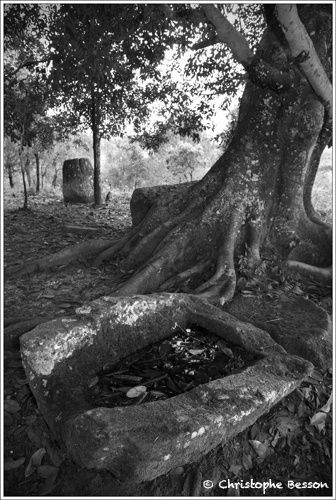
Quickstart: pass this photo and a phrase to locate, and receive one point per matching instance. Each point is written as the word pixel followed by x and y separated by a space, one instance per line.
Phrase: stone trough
pixel 141 442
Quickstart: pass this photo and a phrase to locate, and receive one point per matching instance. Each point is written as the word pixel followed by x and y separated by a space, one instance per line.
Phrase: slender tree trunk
pixel 27 171
pixel 10 175
pixel 43 174
pixel 25 203
pixel 23 169
pixel 96 151
pixel 37 160
pixel 54 180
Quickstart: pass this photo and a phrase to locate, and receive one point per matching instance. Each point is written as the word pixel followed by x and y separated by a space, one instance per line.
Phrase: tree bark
pixel 23 170
pixel 96 151
pixel 303 49
pixel 54 180
pixel 25 192
pixel 10 175
pixel 37 160
pixel 251 203
pixel 27 171
pixel 43 175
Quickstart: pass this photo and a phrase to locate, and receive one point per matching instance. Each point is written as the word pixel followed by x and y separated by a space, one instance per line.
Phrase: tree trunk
pixel 10 175
pixel 37 159
pixel 96 152
pixel 251 202
pixel 43 175
pixel 23 169
pixel 54 180
pixel 27 171
pixel 25 192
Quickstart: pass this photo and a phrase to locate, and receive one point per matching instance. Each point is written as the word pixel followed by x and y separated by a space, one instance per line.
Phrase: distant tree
pixel 25 89
pixel 126 164
pixel 11 159
pixel 43 137
pixel 184 160
pixel 61 150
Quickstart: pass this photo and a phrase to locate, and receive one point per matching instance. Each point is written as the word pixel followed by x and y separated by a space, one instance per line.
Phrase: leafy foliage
pixel 184 160
pixel 104 53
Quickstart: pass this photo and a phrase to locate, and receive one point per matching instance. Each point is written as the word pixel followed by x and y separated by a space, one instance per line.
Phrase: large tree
pixel 257 197
pixel 258 194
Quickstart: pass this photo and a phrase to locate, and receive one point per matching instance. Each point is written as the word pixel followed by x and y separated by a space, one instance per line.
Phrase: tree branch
pixel 301 44
pixel 31 62
pixel 206 43
pixel 260 72
pixel 228 34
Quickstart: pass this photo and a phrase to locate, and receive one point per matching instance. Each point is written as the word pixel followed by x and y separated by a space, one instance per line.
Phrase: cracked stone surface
pixel 142 442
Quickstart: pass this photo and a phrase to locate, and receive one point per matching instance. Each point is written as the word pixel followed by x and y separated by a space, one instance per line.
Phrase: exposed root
pixel 145 280
pixel 148 244
pixel 184 276
pixel 110 251
pixel 140 244
pixel 64 257
pixel 322 274
pixel 221 287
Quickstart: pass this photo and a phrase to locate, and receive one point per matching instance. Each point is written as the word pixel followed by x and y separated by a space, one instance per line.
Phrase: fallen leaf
pixel 260 448
pixel 35 461
pixel 46 471
pixel 94 381
pixel 11 463
pixel 157 394
pixel 227 351
pixel 275 439
pixel 236 469
pixel 11 406
pixel 247 462
pixel 65 305
pixel 326 407
pixel 287 425
pixel 318 420
pixel 316 375
pixel 254 430
pixel 34 437
pixel 136 391
pixel 48 296
pixel 195 352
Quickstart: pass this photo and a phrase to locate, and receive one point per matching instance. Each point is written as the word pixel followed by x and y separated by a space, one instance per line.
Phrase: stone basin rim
pixel 110 318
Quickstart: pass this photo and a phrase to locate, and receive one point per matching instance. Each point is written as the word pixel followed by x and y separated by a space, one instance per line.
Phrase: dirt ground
pixel 285 445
